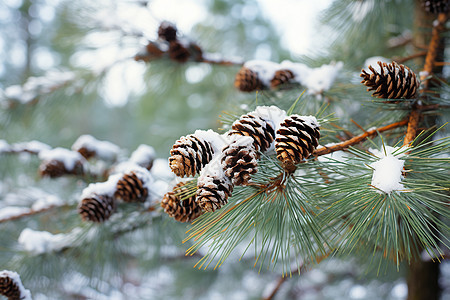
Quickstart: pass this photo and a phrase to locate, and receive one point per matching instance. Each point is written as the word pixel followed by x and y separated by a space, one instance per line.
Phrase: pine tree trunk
pixel 423 281
pixel 423 276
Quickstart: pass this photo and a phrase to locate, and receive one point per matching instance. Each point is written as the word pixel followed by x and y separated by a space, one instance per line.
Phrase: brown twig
pixel 358 139
pixel 283 278
pixel 412 56
pixel 430 62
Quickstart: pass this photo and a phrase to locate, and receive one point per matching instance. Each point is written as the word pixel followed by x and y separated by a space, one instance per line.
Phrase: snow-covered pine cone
pixel 60 161
pixel 281 77
pixel 167 31
pixel 178 52
pixel 96 208
pixel 9 288
pixel 178 207
pixel 132 187
pixel 189 155
pixel 247 80
pixel 239 160
pixel 297 138
pixel 213 190
pixel 252 125
pixel 436 6
pixel 391 81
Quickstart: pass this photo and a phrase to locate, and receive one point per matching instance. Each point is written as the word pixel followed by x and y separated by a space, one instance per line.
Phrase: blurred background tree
pixel 67 68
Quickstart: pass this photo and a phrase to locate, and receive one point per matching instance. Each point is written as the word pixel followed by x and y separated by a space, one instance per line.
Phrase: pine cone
pixel 296 139
pixel 178 52
pixel 189 155
pixel 56 168
pixel 9 288
pixel 96 208
pixel 436 6
pixel 213 191
pixel 131 188
pixel 281 77
pixel 247 80
pixel 239 160
pixel 252 125
pixel 185 210
pixel 167 31
pixel 393 81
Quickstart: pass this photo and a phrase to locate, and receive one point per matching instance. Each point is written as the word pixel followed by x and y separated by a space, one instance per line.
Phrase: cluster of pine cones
pixel 224 161
pixel 128 182
pixel 169 45
pixel 98 200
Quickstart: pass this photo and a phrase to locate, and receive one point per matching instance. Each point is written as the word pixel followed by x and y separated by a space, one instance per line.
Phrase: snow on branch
pixel 261 74
pixel 387 171
pixel 36 86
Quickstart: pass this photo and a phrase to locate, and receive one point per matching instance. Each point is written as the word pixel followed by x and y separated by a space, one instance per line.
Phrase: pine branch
pixel 412 56
pixel 358 139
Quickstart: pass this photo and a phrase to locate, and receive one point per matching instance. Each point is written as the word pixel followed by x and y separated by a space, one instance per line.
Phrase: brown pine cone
pixel 252 125
pixel 97 208
pixel 281 77
pixel 296 139
pixel 239 160
pixel 131 187
pixel 189 155
pixel 167 31
pixel 247 80
pixel 8 287
pixel 393 81
pixel 179 205
pixel 213 191
pixel 178 52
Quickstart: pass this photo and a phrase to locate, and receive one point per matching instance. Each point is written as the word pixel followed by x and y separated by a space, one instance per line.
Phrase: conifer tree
pixel 336 157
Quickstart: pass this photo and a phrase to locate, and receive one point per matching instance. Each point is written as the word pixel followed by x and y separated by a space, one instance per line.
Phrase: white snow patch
pixel 216 140
pixel 321 79
pixel 143 155
pixel 106 188
pixel 24 293
pixel 271 114
pixel 39 242
pixel 4 146
pixel 316 80
pixel 68 157
pixel 264 68
pixel 12 211
pixel 46 202
pixel 161 169
pixel 373 61
pixel 31 146
pixel 387 174
pixel 103 149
